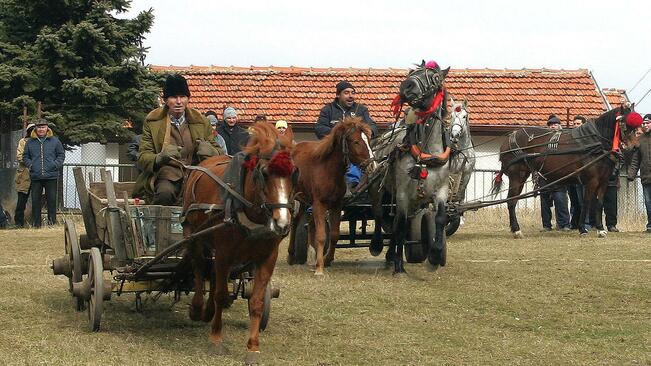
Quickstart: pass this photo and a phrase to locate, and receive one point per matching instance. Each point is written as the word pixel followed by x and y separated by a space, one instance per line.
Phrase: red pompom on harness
pixel 251 162
pixel 498 177
pixel 281 164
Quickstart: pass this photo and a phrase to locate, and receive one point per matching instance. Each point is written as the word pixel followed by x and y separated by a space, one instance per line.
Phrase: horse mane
pixel 263 139
pixel 605 124
pixel 326 146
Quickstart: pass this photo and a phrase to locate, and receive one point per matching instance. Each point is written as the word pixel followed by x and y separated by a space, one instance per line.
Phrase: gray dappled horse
pixel 416 167
pixel 462 160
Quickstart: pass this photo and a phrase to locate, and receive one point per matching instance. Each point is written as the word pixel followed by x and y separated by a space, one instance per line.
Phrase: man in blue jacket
pixel 44 156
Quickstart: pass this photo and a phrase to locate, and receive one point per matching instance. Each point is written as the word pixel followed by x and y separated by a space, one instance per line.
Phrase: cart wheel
pixel 453 225
pixel 416 252
pixel 96 285
pixel 300 241
pixel 266 310
pixel 74 256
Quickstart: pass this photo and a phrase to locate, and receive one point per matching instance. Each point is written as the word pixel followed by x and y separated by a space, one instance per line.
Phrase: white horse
pixel 462 161
pixel 417 169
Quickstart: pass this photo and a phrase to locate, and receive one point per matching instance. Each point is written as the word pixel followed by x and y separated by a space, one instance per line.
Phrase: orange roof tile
pixel 297 94
pixel 616 97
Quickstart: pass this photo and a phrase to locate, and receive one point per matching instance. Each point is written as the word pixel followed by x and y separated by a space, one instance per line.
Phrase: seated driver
pixel 173 135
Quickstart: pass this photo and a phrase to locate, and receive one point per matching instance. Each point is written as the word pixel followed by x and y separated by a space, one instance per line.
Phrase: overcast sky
pixel 610 38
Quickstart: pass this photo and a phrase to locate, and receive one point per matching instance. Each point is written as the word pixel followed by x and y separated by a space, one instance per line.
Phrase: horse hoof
pixel 252 358
pixel 584 234
pixel 290 259
pixel 518 235
pixel 194 313
pixel 432 267
pixel 319 273
pixel 218 349
pixel 375 248
pixel 399 274
pixel 602 233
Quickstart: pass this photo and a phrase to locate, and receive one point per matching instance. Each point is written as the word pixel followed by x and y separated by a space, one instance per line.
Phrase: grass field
pixel 552 298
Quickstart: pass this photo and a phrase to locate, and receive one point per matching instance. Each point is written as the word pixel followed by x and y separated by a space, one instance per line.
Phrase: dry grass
pixel 552 298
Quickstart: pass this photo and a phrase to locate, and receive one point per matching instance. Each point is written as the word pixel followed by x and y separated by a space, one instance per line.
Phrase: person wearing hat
pixel 212 118
pixel 234 135
pixel 554 122
pixel 281 126
pixel 641 160
pixel 342 106
pixel 556 197
pixel 173 135
pixel 44 156
pixel 22 180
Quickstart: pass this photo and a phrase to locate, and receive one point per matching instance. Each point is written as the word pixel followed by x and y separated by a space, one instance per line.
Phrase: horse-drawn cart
pixel 131 247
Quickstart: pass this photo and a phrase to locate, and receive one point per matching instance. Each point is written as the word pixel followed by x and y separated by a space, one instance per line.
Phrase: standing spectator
pixel 281 126
pixel 641 161
pixel 44 156
pixel 235 136
pixel 218 138
pixel 575 191
pixel 23 182
pixel 610 202
pixel 556 196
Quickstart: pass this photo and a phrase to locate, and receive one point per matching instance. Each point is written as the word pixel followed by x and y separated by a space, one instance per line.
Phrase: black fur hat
pixel 175 84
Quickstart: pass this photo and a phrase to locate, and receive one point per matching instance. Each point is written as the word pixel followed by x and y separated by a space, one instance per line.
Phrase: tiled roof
pixel 616 97
pixel 495 97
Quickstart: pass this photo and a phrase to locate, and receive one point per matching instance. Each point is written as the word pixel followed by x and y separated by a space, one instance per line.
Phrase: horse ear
pixel 422 64
pixel 465 102
pixel 451 100
pixel 444 73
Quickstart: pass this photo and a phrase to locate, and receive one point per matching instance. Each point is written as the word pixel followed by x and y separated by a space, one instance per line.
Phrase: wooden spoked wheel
pixel 73 251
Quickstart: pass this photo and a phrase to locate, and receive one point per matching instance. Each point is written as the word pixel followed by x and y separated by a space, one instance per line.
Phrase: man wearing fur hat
pixel 342 106
pixel 44 156
pixel 172 135
pixel 235 136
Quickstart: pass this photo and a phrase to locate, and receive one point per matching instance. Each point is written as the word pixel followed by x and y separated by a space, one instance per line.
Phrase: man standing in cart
pixel 173 135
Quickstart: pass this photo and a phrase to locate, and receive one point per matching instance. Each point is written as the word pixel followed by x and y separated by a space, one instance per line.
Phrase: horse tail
pixel 497 184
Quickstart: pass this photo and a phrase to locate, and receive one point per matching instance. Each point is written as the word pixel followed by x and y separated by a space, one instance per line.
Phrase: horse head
pixel 354 136
pixel 459 125
pixel 630 126
pixel 270 177
pixel 422 84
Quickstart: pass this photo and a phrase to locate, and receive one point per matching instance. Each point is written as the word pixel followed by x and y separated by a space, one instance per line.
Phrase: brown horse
pixel 322 166
pixel 584 155
pixel 263 175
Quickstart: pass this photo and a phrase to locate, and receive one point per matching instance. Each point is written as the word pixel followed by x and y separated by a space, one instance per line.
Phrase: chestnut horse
pixel 584 155
pixel 263 176
pixel 322 165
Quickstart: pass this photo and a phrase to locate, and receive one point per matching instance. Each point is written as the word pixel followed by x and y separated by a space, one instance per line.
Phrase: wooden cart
pixel 131 247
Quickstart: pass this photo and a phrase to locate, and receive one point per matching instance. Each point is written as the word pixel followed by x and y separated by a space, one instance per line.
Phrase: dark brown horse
pixel 263 176
pixel 322 165
pixel 583 155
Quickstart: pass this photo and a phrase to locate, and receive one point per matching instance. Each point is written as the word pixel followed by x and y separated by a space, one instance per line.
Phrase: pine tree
pixel 81 61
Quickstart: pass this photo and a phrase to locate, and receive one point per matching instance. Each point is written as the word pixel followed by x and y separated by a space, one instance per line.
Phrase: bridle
pixel 346 151
pixel 428 81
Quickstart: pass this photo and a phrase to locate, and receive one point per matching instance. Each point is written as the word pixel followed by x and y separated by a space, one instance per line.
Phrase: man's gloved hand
pixel 168 153
pixel 205 150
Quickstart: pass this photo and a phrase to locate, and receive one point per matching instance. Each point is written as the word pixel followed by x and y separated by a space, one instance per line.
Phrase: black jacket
pixel 332 113
pixel 235 137
pixel 642 160
pixel 44 157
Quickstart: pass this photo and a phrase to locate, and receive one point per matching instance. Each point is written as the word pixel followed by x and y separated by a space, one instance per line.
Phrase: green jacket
pixel 151 144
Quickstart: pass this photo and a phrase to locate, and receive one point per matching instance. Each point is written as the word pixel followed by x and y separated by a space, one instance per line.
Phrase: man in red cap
pixel 641 161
